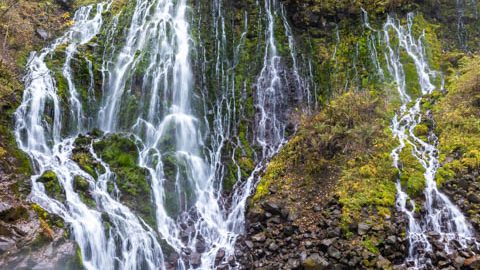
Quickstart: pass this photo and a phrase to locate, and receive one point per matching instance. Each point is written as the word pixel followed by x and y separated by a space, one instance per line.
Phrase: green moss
pixel 275 168
pixel 52 185
pixel 85 162
pixel 49 220
pixel 458 125
pixel 412 172
pixel 121 154
pixel 371 245
pixel 81 186
pixel 82 3
pixel 421 130
pixel 9 145
pixel 444 175
pixel 75 262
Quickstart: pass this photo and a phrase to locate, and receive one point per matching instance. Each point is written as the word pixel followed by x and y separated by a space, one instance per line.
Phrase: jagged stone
pixel 43 34
pixel 260 237
pixel 473 198
pixel 334 253
pixel 363 228
pixel 472 262
pixel 315 262
pixel 195 259
pixel 458 262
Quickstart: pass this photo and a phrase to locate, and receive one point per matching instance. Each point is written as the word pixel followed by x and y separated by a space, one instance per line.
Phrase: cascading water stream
pixel 41 138
pixel 442 216
pixel 271 95
pixel 168 126
pixel 465 8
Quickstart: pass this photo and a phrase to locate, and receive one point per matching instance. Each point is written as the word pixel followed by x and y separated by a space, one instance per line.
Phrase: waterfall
pixel 149 92
pixel 442 216
pixel 466 9
pixel 41 138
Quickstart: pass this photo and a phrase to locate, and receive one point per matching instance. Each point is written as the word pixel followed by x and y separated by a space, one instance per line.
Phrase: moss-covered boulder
pixel 82 186
pixel 52 186
pixel 83 157
pixel 121 154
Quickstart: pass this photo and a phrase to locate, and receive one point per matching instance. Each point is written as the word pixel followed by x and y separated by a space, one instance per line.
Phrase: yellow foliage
pixel 46 230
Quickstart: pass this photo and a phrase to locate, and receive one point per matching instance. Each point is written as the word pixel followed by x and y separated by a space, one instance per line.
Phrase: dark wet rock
pixel 391 240
pixel 220 255
pixel 326 243
pixel 249 244
pixel 473 198
pixel 383 263
pixel 195 259
pixel 11 213
pixel 334 253
pixel 272 207
pixel 443 264
pixel 273 246
pixel 6 244
pixel 200 246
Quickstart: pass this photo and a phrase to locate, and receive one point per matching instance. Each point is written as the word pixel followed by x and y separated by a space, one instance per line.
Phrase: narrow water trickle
pixel 441 217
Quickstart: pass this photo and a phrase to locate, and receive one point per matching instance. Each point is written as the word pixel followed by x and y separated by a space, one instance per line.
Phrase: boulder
pixel 315 262
pixel 195 259
pixel 43 34
pixel 363 228
pixel 259 237
pixel 334 253
pixel 458 262
pixel 383 263
pixel 472 262
pixel 473 198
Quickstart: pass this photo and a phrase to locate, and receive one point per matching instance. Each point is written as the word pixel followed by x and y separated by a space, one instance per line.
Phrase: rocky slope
pixel 340 213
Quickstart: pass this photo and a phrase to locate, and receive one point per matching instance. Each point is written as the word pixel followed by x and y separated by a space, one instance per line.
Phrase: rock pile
pixel 274 241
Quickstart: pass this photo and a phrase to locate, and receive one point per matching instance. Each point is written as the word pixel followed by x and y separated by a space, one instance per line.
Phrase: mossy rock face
pixel 52 186
pixel 51 220
pixel 421 130
pixel 81 186
pixel 74 262
pixel 121 154
pixel 83 157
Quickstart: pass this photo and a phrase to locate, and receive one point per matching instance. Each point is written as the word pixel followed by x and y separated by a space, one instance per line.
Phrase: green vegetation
pixel 47 221
pixel 458 125
pixel 121 155
pixel 349 140
pixel 412 172
pixel 52 186
pixel 81 186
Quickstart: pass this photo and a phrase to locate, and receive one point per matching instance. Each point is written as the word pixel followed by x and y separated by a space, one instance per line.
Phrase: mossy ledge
pixel 121 155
